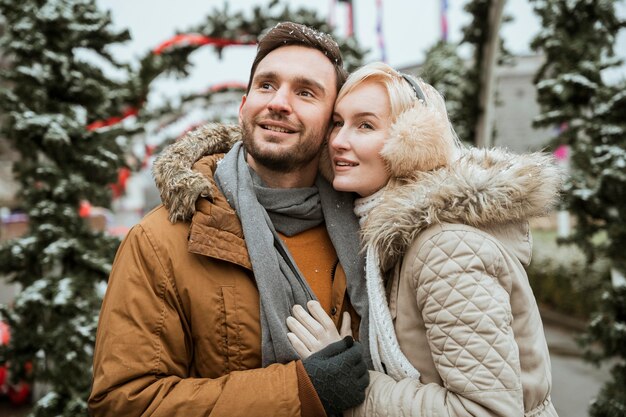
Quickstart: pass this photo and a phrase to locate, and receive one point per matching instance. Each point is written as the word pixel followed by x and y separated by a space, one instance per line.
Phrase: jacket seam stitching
pixel 479 391
pixel 167 275
pixel 162 288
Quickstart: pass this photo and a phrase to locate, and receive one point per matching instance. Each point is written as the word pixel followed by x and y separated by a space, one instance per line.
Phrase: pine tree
pixel 577 40
pixel 445 70
pixel 608 329
pixel 53 88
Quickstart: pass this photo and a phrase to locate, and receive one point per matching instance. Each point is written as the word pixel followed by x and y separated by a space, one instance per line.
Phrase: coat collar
pixel 215 229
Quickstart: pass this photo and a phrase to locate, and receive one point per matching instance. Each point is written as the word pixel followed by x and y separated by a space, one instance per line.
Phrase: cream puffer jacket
pixel 452 244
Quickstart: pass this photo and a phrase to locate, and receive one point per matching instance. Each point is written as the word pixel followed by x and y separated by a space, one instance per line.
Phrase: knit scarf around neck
pixel 280 283
pixel 291 210
pixel 384 347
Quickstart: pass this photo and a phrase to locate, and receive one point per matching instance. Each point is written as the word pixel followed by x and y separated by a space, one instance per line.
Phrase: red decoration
pixel 3 378
pixel 19 393
pixel 112 120
pixel 197 40
pixel 5 337
pixel 84 209
pixel 119 187
pixel 5 334
pixel 562 153
pixel 149 151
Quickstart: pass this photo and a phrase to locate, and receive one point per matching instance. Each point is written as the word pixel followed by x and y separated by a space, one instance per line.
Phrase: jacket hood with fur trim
pixel 483 188
pixel 180 186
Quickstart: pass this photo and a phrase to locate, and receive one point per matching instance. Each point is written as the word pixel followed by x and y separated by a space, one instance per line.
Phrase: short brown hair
pixel 288 34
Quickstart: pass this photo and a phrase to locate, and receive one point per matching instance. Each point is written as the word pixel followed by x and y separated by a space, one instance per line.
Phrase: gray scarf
pixel 291 210
pixel 280 283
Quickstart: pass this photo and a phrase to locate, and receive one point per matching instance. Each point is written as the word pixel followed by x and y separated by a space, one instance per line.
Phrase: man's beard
pixel 288 160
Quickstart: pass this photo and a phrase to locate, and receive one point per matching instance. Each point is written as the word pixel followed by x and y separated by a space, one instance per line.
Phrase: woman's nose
pixel 339 139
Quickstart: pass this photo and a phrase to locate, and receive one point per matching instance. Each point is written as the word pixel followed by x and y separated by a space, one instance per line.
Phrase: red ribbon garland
pixel 120 186
pixel 183 39
pixel 199 40
pixel 84 209
pixel 124 173
pixel 112 120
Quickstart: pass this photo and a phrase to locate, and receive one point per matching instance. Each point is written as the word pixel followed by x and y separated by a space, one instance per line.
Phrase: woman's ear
pixel 419 140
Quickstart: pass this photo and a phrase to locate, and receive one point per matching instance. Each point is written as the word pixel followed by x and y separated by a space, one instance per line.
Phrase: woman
pixel 454 326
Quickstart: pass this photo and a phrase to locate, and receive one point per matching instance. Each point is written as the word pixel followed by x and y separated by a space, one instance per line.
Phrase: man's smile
pixel 276 129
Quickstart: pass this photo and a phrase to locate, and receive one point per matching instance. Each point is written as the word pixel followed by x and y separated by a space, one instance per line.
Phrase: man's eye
pixel 306 93
pixel 265 86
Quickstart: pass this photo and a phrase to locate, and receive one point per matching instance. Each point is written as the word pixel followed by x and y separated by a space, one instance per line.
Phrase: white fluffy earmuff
pixel 419 140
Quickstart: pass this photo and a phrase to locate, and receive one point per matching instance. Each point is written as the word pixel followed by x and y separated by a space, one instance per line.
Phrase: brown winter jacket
pixel 179 331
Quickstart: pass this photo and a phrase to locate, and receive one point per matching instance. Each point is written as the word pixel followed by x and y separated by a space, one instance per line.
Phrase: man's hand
pixel 339 375
pixel 311 333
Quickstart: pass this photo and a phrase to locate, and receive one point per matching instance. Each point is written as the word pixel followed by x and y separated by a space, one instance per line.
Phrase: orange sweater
pixel 316 258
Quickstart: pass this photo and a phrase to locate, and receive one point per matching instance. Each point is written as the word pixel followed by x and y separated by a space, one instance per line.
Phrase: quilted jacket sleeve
pixel 142 353
pixel 462 292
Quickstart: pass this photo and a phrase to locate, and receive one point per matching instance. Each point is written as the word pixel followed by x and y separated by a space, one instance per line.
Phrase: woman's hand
pixel 313 332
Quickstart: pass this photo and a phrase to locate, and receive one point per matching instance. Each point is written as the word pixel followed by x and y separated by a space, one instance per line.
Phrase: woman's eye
pixel 366 125
pixel 337 123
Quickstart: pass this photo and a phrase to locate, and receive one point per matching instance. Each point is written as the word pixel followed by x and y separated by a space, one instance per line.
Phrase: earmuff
pixel 418 140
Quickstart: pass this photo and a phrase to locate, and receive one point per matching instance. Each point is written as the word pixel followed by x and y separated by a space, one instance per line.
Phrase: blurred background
pixel 91 91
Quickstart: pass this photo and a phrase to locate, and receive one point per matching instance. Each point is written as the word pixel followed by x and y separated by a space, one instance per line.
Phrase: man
pixel 193 322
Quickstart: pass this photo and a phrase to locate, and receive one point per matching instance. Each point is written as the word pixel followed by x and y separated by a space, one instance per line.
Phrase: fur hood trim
pixel 481 188
pixel 180 186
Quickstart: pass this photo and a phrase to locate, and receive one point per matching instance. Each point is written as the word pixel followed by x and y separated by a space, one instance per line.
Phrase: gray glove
pixel 339 375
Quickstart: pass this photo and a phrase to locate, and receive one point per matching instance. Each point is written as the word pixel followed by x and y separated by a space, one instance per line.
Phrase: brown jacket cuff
pixel 310 404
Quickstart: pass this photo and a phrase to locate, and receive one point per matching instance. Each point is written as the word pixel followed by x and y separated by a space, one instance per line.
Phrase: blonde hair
pixel 422 137
pixel 400 97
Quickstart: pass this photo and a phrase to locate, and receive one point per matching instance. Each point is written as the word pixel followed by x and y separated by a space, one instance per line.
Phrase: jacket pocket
pixel 230 329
